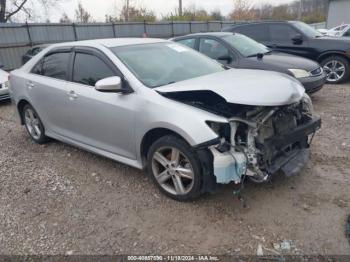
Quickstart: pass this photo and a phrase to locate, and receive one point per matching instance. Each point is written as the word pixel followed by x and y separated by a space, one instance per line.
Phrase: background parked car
pixel 335 31
pixel 4 92
pixel 323 31
pixel 298 38
pixel 239 51
pixel 345 32
pixel 32 52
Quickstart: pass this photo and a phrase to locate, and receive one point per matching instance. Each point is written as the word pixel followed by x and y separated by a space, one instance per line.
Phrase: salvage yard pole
pixel 29 36
pixel 180 7
pixel 300 13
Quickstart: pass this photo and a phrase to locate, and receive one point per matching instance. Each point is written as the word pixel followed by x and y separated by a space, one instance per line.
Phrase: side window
pixel 340 28
pixel 37 69
pixel 212 48
pixel 257 32
pixel 281 32
pixel 88 69
pixel 188 42
pixel 54 65
pixel 347 33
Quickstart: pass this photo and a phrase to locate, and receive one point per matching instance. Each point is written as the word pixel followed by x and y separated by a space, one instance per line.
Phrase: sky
pixel 99 8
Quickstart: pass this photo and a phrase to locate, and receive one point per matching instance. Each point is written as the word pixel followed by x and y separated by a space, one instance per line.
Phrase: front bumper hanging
pixel 227 168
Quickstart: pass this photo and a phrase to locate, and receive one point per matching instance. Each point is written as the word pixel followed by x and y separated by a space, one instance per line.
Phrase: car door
pixel 104 121
pixel 217 50
pixel 283 38
pixel 46 88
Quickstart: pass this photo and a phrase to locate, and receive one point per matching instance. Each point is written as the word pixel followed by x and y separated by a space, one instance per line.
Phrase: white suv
pixel 4 92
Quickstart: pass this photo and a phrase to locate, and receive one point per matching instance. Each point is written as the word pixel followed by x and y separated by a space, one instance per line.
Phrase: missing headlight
pixel 221 129
pixel 307 106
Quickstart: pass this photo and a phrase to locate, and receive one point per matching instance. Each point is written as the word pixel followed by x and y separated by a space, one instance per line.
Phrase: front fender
pixel 187 121
pixel 330 53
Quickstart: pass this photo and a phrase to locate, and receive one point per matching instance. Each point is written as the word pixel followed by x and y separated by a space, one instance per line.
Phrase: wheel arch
pixel 325 55
pixel 151 136
pixel 20 106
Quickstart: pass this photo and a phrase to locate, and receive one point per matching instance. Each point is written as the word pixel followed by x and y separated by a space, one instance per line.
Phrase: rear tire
pixel 337 69
pixel 33 124
pixel 175 168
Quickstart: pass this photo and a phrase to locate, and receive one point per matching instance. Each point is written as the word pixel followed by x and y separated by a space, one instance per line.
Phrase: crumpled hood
pixel 3 76
pixel 244 86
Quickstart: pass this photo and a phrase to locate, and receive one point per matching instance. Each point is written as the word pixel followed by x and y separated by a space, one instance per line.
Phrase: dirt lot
pixel 56 199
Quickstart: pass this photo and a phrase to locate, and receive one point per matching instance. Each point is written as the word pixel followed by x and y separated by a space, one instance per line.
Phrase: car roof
pixel 211 34
pixel 112 42
pixel 215 34
pixel 261 22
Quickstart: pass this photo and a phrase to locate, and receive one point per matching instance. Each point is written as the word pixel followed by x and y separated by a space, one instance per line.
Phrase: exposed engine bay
pixel 257 141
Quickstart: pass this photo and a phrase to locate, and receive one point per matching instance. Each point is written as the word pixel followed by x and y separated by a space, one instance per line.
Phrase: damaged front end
pixel 264 140
pixel 257 141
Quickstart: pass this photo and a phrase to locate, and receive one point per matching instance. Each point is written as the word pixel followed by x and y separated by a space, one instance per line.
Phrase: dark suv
pixel 298 38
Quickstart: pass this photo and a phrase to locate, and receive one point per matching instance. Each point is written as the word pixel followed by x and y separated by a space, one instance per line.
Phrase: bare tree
pixel 130 12
pixel 82 15
pixel 242 10
pixel 312 11
pixel 10 8
pixel 216 15
pixel 265 11
pixel 65 19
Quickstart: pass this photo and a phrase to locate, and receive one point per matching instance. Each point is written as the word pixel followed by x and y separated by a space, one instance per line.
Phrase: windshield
pixel 307 30
pixel 245 45
pixel 165 63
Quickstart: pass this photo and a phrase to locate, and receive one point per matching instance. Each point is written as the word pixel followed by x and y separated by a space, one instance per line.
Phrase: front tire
pixel 34 125
pixel 175 168
pixel 337 69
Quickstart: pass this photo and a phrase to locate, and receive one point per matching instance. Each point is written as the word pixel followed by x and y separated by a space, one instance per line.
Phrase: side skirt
pixel 123 160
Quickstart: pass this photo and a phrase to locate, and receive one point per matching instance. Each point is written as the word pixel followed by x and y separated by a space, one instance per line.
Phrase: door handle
pixel 30 85
pixel 72 95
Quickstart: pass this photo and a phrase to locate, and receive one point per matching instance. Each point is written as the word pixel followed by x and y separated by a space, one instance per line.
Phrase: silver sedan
pixel 4 92
pixel 158 105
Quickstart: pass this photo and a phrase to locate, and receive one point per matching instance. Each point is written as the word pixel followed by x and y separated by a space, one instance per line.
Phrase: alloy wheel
pixel 173 170
pixel 335 70
pixel 32 123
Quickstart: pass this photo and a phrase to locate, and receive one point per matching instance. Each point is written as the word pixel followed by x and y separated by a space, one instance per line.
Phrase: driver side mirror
pixel 112 84
pixel 298 39
pixel 226 58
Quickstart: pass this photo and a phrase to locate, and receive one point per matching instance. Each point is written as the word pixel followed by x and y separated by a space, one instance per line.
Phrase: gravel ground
pixel 56 199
